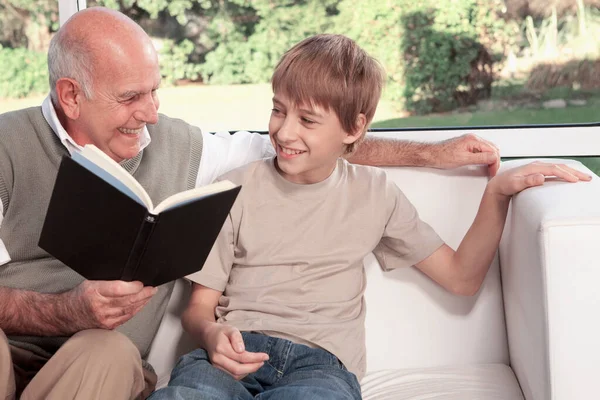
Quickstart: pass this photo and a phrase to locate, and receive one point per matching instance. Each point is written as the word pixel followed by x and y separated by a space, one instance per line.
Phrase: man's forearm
pixel 379 151
pixel 38 314
pixel 450 153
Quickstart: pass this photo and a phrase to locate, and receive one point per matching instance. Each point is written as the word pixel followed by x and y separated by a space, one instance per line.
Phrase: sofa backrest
pixel 411 321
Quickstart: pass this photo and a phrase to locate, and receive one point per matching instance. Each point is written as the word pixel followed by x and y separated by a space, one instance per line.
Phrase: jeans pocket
pixel 341 364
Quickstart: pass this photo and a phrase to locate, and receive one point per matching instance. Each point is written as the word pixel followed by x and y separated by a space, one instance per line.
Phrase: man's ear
pixel 361 123
pixel 69 96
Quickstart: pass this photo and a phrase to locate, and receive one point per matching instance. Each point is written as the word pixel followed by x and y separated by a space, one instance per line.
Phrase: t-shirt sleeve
pixel 215 272
pixel 407 240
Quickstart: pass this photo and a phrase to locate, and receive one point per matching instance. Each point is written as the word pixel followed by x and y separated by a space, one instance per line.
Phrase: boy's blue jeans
pixel 293 372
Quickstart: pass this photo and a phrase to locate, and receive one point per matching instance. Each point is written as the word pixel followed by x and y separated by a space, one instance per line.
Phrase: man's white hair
pixel 68 58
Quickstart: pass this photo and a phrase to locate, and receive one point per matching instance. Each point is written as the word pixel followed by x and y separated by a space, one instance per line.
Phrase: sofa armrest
pixel 550 263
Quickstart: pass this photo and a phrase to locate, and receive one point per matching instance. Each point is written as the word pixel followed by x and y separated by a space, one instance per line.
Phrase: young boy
pixel 287 269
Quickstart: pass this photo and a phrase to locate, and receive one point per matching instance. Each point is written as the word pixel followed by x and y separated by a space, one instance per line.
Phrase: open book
pixel 103 224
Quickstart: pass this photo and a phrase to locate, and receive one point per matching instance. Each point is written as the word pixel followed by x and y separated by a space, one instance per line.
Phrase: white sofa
pixel 533 330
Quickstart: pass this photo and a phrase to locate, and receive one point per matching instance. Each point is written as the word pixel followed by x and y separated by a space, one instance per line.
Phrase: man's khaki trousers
pixel 92 364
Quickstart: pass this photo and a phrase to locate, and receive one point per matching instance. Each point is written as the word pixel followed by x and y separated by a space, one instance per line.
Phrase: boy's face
pixel 308 140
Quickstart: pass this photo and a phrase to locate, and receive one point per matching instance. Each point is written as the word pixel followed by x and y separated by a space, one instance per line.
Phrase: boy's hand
pixel 514 180
pixel 225 347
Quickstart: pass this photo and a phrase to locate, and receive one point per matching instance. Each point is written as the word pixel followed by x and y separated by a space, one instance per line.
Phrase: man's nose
pixel 148 111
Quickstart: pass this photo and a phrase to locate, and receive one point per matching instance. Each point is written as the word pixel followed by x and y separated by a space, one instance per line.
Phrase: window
pixel 520 73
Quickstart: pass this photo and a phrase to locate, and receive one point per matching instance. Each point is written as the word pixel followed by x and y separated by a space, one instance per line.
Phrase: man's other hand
pixel 467 149
pixel 106 304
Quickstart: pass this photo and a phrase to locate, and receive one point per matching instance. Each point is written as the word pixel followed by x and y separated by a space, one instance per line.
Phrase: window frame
pixel 570 140
pixel 66 8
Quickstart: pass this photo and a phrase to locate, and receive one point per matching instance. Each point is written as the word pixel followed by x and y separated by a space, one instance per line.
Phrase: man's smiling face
pixel 123 101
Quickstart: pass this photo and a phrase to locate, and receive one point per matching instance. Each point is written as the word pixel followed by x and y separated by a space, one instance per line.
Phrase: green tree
pixel 23 72
pixel 29 24
pixel 249 52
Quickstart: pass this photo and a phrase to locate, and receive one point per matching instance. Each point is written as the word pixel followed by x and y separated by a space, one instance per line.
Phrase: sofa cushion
pixel 411 321
pixel 484 381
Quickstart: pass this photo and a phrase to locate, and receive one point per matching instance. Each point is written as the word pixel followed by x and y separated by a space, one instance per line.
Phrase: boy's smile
pixel 288 153
pixel 308 140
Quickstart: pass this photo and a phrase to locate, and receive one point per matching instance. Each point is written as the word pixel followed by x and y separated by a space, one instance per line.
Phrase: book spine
pixel 139 247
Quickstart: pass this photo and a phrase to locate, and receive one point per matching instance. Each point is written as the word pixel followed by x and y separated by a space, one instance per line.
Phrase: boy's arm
pixel 462 272
pixel 223 343
pixel 452 153
pixel 200 311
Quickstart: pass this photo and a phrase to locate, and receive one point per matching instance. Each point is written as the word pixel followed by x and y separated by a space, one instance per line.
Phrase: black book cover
pixel 103 234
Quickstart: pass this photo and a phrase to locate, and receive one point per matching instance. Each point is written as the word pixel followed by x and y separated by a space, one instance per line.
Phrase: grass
pixel 213 108
pixel 573 114
pixel 236 107
pixel 593 163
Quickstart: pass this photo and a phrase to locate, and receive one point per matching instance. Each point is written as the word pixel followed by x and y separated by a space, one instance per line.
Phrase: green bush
pixel 438 47
pixel 438 54
pixel 174 62
pixel 431 50
pixel 376 27
pixel 24 73
pixel 248 52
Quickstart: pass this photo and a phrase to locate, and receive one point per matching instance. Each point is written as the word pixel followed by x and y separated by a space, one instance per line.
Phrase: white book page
pixel 106 168
pixel 182 198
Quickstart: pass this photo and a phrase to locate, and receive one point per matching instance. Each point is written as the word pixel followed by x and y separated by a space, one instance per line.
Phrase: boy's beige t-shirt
pixel 289 258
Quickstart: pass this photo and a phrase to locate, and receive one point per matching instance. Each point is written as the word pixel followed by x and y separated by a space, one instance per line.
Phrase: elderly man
pixel 62 337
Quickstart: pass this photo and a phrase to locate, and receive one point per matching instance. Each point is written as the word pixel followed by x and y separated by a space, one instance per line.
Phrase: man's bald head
pixel 90 43
pixel 104 74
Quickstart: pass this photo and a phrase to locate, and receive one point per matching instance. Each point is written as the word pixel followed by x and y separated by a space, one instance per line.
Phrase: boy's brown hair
pixel 333 72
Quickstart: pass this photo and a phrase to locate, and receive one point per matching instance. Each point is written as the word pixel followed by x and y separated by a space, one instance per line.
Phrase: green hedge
pixel 432 51
pixel 24 72
pixel 438 48
pixel 174 62
pixel 438 54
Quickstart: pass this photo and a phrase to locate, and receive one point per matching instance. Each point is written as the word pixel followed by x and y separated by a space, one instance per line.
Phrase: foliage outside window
pixel 449 62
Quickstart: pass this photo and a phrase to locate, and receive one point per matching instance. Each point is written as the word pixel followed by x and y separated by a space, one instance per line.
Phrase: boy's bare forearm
pixel 379 151
pixel 199 315
pixel 478 248
pixel 38 314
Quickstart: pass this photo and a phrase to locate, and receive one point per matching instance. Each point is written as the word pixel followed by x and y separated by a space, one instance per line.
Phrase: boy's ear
pixel 69 96
pixel 361 123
